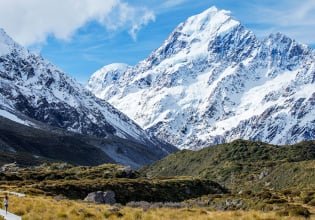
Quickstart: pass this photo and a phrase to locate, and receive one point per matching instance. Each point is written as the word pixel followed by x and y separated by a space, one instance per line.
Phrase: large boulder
pixel 107 197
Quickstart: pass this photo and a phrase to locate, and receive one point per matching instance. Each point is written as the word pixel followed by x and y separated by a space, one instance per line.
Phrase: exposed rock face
pixel 107 197
pixel 35 93
pixel 212 81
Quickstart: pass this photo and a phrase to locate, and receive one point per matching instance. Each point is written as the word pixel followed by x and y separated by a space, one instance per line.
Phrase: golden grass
pixel 48 208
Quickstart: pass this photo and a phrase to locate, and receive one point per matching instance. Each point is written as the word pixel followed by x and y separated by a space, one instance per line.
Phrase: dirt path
pixel 9 215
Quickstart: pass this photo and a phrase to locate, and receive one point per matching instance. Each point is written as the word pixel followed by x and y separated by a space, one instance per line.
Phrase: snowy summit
pixel 213 81
pixel 35 93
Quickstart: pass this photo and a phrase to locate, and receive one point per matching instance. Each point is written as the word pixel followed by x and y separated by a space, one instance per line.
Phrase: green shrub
pixel 112 214
pixel 264 195
pixel 312 202
pixel 294 193
pixel 88 214
pixel 295 211
pixel 300 211
pixel 283 213
pixel 287 192
pixel 275 201
pixel 62 215
pixel 307 199
pixel 247 192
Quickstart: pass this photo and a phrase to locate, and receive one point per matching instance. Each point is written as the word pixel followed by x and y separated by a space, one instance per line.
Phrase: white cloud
pixel 135 17
pixel 32 21
pixel 140 22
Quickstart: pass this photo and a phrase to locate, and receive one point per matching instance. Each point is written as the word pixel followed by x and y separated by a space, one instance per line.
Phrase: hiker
pixel 6 203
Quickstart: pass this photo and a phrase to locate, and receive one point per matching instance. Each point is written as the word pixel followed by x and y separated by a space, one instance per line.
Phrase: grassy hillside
pixel 244 164
pixel 55 191
pixel 76 182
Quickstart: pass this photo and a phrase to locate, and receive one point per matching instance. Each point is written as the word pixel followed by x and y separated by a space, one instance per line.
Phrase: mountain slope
pixel 244 164
pixel 32 89
pixel 29 146
pixel 212 81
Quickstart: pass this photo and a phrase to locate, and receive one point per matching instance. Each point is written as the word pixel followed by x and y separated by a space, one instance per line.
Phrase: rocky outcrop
pixel 107 197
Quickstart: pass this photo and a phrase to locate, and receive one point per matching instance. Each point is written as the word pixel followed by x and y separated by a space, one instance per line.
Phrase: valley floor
pixel 49 208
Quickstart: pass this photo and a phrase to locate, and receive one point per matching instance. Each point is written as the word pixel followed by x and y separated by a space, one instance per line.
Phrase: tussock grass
pixel 48 208
pixel 42 208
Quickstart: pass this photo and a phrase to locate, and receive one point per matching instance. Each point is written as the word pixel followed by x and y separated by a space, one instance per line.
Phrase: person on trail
pixel 6 203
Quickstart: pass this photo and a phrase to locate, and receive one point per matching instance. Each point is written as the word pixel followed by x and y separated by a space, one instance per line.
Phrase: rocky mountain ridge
pixel 35 93
pixel 213 81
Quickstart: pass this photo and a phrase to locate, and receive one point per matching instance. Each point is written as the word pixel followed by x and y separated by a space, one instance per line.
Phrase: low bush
pixel 307 199
pixel 312 202
pixel 295 211
pixel 291 193
pixel 264 195
pixel 126 190
pixel 275 201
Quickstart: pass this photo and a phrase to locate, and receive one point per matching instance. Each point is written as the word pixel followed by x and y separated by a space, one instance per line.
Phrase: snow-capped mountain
pixel 33 90
pixel 213 81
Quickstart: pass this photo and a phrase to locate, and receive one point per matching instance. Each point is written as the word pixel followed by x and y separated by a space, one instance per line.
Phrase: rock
pixel 188 191
pixel 60 197
pixel 236 203
pixel 126 169
pixel 113 209
pixel 263 174
pixel 62 166
pixel 107 197
pixel 9 167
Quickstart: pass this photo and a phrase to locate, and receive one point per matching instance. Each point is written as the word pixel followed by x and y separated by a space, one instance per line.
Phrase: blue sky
pixel 81 36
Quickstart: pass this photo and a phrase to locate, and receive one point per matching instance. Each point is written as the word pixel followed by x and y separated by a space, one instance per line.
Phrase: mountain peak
pixel 3 34
pixel 213 81
pixel 197 35
pixel 211 21
pixel 7 44
pixel 282 39
pixel 107 75
pixel 110 71
pixel 33 90
pixel 114 66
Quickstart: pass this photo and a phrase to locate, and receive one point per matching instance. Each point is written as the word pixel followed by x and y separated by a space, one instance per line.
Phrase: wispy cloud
pixel 294 18
pixel 162 6
pixel 287 14
pixel 31 22
pixel 172 3
pixel 133 18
